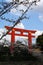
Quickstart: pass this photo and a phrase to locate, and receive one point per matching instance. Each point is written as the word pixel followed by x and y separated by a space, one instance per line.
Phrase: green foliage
pixel 39 41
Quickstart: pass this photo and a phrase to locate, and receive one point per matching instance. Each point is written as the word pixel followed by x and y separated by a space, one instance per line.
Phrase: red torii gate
pixel 13 34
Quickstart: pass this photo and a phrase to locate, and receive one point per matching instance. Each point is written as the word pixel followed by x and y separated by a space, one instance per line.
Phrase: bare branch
pixel 7 8
pixel 24 18
pixel 18 19
pixel 3 18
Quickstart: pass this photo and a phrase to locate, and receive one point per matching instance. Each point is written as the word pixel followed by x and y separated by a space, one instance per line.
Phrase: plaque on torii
pixel 22 31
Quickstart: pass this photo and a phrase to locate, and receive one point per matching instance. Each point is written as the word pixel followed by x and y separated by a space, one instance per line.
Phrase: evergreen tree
pixel 39 41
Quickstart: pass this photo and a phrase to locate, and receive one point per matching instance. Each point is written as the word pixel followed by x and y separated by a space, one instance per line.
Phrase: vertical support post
pixel 29 40
pixel 13 36
pixel 12 41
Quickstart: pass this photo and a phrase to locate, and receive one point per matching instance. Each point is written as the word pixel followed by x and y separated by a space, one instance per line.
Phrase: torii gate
pixel 22 31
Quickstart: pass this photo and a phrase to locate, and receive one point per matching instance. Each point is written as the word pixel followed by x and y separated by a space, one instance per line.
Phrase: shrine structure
pixel 22 31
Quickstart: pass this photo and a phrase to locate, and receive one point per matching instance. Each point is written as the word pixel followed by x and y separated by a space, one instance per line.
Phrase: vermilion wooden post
pixel 13 36
pixel 12 41
pixel 29 40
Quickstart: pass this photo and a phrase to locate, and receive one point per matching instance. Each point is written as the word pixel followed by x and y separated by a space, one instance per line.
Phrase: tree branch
pixel 16 22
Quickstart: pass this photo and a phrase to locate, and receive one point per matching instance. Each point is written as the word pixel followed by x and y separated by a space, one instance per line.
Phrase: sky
pixel 35 21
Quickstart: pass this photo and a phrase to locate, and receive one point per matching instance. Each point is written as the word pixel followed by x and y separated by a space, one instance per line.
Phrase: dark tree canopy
pixel 39 41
